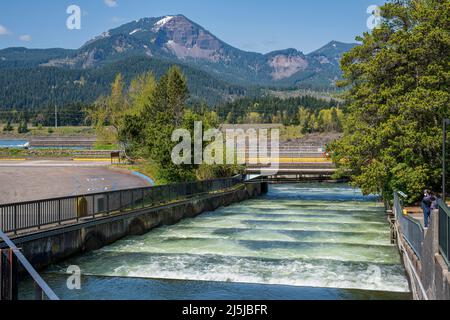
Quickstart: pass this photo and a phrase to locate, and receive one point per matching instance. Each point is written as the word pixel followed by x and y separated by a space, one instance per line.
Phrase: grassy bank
pixel 36 153
pixel 145 168
pixel 105 147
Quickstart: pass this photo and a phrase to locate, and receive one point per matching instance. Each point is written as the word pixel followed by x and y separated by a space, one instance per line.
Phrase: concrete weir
pixel 54 245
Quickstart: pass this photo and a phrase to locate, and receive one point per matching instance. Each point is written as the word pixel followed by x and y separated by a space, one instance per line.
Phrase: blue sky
pixel 252 25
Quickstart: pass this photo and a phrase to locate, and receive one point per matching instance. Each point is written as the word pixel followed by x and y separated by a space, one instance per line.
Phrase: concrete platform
pixel 40 180
pixel 416 213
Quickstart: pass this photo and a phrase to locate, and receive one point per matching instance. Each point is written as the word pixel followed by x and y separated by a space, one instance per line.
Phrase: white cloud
pixel 4 31
pixel 25 37
pixel 111 3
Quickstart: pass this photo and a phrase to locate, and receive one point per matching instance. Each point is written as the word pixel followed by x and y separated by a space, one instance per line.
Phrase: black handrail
pixel 412 230
pixel 36 214
pixel 41 284
pixel 238 177
pixel 444 231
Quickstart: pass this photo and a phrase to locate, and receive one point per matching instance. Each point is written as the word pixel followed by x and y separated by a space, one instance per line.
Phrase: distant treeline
pixel 69 115
pixel 311 113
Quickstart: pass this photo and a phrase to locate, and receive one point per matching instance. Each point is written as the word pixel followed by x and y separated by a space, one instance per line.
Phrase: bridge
pixel 298 163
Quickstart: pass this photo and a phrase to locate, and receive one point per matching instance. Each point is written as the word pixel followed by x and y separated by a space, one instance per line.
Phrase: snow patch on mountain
pixel 162 22
pixel 135 31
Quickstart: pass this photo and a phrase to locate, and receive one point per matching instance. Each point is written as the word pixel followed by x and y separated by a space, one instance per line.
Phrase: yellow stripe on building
pixel 92 159
pixel 291 160
pixel 13 159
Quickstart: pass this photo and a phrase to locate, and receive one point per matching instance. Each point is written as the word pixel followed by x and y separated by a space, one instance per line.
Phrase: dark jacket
pixel 428 201
pixel 434 204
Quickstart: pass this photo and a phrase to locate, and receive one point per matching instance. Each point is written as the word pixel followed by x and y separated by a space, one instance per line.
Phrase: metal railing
pixel 56 211
pixel 444 231
pixel 412 229
pixel 9 282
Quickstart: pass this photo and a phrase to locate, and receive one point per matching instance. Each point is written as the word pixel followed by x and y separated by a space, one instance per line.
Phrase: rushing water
pixel 307 241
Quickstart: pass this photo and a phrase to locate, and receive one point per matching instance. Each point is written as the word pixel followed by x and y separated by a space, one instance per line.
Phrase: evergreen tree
pixel 177 93
pixel 399 80
pixel 23 127
pixel 335 120
pixel 8 127
pixel 156 110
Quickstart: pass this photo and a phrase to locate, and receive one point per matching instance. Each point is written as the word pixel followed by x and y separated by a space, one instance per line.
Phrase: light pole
pixel 444 156
pixel 56 116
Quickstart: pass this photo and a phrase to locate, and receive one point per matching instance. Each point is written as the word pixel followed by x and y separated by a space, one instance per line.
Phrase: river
pixel 304 241
pixel 22 144
pixel 16 144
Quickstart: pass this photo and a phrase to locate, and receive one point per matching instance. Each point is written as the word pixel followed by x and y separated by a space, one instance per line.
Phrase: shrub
pixel 23 127
pixel 8 127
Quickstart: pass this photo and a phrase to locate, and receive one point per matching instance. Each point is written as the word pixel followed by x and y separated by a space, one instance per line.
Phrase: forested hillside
pixel 217 72
pixel 37 87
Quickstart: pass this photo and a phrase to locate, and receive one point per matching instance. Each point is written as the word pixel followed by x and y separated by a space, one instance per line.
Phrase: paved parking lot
pixel 32 181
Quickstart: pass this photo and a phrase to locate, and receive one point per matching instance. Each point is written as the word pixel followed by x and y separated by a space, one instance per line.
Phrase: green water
pixel 307 241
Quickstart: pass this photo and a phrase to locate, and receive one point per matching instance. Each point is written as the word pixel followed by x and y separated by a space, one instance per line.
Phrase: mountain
pixel 175 39
pixel 323 67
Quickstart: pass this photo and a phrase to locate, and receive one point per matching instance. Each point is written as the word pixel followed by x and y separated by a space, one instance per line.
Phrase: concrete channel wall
pixel 48 247
pixel 429 277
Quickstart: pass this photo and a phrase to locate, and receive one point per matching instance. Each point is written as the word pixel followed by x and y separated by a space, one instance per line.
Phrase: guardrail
pixel 9 282
pixel 412 229
pixel 444 231
pixel 30 215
